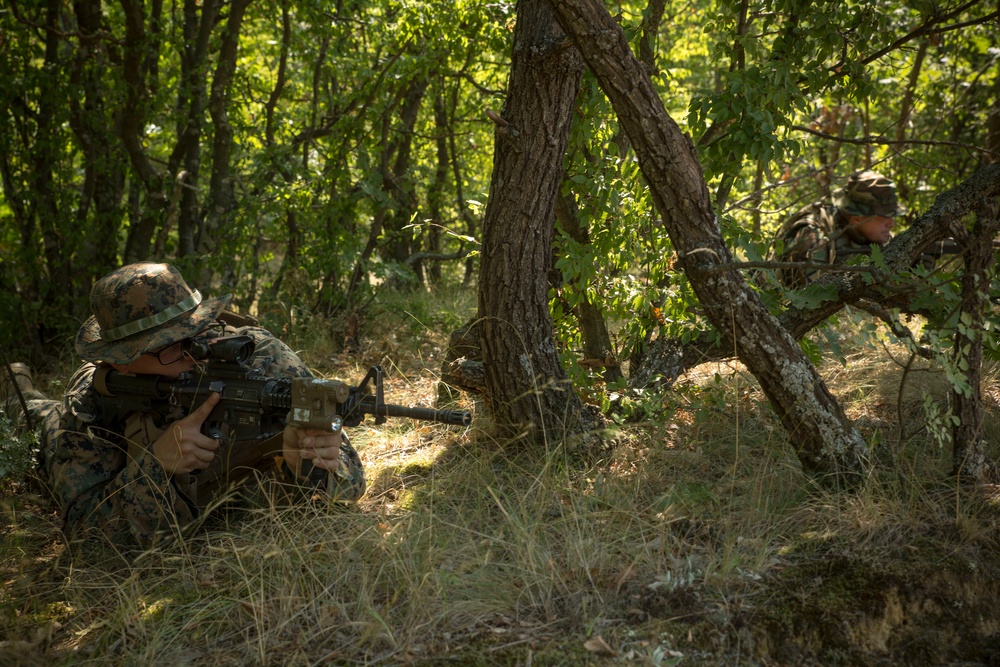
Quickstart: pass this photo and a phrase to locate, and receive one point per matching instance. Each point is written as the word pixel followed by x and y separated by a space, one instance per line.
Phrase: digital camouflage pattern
pixel 141 307
pixel 869 193
pixel 814 235
pixel 103 482
pixel 820 233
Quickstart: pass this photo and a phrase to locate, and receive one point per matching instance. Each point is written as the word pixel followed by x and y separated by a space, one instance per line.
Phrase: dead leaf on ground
pixel 599 646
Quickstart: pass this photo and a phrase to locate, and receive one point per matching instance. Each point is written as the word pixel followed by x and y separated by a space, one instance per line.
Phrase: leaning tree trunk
pixel 523 376
pixel 825 440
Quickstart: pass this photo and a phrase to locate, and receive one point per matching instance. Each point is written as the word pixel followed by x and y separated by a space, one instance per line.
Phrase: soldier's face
pixel 875 228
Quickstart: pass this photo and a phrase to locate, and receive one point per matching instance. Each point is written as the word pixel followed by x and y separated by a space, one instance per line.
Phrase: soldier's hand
pixel 183 447
pixel 320 447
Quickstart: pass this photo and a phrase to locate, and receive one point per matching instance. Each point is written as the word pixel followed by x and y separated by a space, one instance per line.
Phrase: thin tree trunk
pixel 398 182
pixel 104 179
pixel 222 194
pixel 968 442
pixel 597 345
pixel 435 193
pixel 191 106
pixel 906 108
pixel 137 48
pixel 463 206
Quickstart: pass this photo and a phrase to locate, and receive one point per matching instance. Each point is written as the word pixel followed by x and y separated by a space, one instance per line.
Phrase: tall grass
pixel 676 547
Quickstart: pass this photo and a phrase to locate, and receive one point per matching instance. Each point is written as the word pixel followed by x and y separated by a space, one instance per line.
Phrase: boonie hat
pixel 142 307
pixel 869 193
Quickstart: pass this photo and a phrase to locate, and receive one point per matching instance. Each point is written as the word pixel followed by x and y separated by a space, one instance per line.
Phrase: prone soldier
pixel 125 475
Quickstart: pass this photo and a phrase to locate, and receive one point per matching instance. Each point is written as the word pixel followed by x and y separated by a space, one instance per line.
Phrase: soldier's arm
pixel 809 243
pixel 103 484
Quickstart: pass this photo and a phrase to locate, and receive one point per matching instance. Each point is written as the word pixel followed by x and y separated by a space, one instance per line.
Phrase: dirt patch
pixel 846 611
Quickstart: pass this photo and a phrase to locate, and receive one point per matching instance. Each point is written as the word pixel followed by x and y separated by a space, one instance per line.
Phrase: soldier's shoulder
pixel 81 398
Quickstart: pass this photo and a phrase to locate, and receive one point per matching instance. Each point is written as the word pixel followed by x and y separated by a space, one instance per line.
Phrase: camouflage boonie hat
pixel 869 193
pixel 142 307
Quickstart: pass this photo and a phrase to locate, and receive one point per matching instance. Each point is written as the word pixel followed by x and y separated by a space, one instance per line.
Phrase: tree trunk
pixel 435 192
pixel 191 100
pixel 460 203
pixel 138 46
pixel 93 122
pixel 825 440
pixel 524 378
pixel 222 194
pixel 968 442
pixel 398 181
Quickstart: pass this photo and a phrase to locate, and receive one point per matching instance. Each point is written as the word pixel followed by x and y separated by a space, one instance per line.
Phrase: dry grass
pixel 696 541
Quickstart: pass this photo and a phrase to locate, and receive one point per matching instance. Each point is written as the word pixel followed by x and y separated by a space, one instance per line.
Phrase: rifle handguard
pixel 317 403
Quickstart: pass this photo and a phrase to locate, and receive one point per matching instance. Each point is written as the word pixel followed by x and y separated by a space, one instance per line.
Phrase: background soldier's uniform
pixel 821 233
pixel 104 476
pixel 813 234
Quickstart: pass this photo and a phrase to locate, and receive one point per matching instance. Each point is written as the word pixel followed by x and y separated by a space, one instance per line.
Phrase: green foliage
pixel 17 454
pixel 806 93
pixel 326 163
pixel 356 138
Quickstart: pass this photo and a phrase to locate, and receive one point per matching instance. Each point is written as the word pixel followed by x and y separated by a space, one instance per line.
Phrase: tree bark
pixel 93 121
pixel 199 22
pixel 137 47
pixel 824 438
pixel 524 379
pixel 222 193
pixel 398 181
pixel 968 442
pixel 435 192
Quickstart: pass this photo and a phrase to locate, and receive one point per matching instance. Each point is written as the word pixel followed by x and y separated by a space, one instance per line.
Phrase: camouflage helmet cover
pixel 142 307
pixel 869 193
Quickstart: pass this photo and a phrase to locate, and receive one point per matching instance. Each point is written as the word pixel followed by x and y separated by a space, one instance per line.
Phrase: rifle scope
pixel 226 349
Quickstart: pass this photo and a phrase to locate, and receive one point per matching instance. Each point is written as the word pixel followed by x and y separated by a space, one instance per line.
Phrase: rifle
pixel 254 409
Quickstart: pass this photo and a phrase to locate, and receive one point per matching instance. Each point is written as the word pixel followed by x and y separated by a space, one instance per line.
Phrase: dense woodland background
pixel 580 197
pixel 309 158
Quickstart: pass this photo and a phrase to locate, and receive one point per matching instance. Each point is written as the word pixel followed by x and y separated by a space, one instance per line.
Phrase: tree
pixel 262 146
pixel 825 440
pixel 524 378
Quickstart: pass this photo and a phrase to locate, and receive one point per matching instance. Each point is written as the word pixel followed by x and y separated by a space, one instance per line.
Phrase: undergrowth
pixel 696 541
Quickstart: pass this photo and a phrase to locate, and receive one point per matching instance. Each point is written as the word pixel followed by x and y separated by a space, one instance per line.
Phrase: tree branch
pixel 869 141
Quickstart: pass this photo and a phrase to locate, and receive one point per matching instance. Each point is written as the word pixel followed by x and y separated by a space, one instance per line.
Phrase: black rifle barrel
pixel 453 417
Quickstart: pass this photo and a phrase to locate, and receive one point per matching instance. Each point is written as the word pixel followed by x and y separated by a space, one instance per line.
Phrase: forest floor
pixel 694 540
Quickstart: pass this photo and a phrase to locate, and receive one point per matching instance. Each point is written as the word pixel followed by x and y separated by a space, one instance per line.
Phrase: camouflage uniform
pixel 820 232
pixel 815 234
pixel 101 469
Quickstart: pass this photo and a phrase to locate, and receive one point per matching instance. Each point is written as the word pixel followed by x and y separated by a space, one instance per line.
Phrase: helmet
pixel 869 193
pixel 142 307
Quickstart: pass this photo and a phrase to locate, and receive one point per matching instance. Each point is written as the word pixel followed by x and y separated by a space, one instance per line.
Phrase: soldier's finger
pixel 325 452
pixel 204 442
pixel 201 413
pixel 204 454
